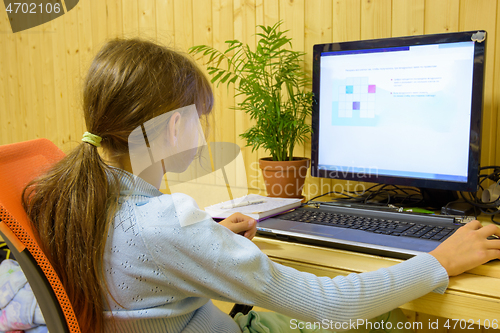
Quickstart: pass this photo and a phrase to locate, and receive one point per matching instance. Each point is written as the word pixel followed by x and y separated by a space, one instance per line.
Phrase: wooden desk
pixel 474 295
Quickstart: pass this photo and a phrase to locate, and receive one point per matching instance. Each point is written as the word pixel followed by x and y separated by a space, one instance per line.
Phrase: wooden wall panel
pixel 292 14
pixel 8 91
pixel 244 29
pixel 147 18
pixel 475 15
pixel 183 24
pixel 114 18
pixel 165 22
pixel 59 132
pixel 88 43
pixel 22 61
pixel 42 69
pixel 47 77
pixel 97 20
pixel 441 16
pixel 376 19
pixel 346 21
pixel 271 12
pixel 33 73
pixel 407 18
pixel 130 17
pixel 71 45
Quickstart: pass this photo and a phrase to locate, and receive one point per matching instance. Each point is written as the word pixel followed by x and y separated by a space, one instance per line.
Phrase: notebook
pixel 256 206
pixel 428 230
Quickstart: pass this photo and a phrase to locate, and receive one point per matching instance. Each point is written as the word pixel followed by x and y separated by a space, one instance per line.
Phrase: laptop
pixel 378 232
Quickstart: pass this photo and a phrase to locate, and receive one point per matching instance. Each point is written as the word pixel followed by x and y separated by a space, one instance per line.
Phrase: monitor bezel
pixel 476 108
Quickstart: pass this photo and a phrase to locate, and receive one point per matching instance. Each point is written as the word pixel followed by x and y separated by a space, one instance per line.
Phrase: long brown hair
pixel 128 83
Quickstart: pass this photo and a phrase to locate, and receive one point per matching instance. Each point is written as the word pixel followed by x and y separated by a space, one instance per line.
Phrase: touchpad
pixel 320 230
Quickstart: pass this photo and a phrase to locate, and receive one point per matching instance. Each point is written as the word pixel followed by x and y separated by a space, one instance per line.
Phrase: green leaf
pixel 216 77
pixel 226 77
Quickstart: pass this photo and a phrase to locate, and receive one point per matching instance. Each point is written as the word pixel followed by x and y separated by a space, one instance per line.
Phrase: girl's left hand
pixel 241 224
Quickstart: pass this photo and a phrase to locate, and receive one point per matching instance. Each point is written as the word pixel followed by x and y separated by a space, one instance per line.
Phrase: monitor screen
pixel 400 111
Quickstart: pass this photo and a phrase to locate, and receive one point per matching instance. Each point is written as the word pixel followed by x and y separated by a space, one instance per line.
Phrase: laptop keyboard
pixel 374 225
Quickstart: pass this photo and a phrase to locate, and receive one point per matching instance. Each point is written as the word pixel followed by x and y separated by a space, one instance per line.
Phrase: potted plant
pixel 274 86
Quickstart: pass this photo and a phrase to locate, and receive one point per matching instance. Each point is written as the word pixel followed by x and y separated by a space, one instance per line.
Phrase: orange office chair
pixel 19 164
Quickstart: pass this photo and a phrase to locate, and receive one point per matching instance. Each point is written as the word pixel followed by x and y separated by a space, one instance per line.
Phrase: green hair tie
pixel 94 140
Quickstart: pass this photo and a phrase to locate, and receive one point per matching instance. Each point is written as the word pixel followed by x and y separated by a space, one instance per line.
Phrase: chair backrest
pixel 19 164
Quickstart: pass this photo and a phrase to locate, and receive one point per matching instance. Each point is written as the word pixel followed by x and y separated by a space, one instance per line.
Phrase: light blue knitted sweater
pixel 165 259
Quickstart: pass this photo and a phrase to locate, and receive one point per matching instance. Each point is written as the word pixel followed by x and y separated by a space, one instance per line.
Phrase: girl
pixel 135 260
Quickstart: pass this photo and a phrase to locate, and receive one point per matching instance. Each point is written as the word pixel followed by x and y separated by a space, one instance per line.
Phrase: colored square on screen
pixel 372 89
pixel 349 89
pixel 355 105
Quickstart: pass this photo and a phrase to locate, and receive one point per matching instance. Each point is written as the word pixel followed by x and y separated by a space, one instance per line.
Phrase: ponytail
pixel 70 206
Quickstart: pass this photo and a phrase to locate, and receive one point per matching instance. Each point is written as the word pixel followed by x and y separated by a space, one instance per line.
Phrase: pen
pixel 244 203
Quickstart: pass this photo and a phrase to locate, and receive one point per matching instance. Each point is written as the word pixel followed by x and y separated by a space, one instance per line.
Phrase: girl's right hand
pixel 468 247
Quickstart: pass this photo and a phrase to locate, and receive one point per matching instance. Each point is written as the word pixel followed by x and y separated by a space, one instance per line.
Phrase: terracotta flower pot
pixel 284 179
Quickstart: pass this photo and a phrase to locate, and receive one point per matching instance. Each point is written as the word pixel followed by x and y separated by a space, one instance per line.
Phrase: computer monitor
pixel 400 111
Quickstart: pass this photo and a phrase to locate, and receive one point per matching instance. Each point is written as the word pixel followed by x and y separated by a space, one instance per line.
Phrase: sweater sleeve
pixel 204 259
